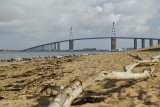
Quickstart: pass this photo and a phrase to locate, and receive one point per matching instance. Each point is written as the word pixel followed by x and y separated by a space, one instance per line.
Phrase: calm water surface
pixel 9 55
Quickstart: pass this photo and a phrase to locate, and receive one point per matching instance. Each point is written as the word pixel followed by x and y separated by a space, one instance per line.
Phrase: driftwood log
pixel 71 91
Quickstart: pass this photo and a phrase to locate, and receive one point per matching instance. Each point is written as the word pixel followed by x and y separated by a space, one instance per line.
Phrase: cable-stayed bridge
pixel 56 46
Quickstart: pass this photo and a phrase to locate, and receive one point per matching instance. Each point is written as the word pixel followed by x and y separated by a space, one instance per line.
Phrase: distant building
pixel 89 49
pixel 120 49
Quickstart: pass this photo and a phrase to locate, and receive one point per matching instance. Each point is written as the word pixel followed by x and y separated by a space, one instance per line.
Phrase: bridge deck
pixel 90 39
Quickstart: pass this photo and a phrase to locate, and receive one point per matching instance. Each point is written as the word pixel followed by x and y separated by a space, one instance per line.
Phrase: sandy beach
pixel 21 82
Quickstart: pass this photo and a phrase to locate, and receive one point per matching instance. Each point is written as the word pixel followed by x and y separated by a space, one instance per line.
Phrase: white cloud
pixel 99 8
pixel 141 29
pixel 159 30
pixel 115 18
pixel 42 21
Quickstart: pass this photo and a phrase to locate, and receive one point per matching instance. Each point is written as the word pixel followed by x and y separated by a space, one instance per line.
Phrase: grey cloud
pixel 40 21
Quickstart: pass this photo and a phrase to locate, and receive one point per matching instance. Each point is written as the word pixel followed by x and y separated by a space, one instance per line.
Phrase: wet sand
pixel 21 82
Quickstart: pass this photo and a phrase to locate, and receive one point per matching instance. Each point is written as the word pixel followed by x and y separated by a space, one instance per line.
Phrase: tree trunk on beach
pixel 71 91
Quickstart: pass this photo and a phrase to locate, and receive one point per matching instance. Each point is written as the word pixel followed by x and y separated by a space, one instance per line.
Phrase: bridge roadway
pixel 55 46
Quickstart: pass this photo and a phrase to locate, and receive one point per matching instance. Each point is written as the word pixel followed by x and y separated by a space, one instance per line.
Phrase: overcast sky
pixel 26 23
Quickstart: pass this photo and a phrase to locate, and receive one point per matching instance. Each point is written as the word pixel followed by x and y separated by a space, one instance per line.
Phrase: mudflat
pixel 21 82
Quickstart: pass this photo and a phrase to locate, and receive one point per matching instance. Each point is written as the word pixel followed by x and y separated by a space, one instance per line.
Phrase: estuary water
pixel 9 55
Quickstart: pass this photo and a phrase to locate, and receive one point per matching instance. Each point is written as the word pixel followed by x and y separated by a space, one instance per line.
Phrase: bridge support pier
pixel 151 42
pixel 135 43
pixel 47 47
pixel 43 48
pixel 37 48
pixel 143 43
pixel 55 47
pixel 113 43
pixel 159 42
pixel 71 45
pixel 58 46
pixel 51 47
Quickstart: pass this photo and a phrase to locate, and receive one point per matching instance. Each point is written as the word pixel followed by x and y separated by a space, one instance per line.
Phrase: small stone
pixel 1 98
pixel 122 95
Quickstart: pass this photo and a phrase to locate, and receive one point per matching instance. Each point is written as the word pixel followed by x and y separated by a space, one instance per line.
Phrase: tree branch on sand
pixel 71 91
pixel 136 56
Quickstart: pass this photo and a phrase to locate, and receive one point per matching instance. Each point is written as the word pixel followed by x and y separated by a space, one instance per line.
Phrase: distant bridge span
pixel 55 46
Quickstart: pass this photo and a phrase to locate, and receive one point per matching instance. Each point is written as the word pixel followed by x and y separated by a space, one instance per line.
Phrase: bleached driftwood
pixel 148 62
pixel 71 91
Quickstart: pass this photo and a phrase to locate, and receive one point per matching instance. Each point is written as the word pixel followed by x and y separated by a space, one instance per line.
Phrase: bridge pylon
pixel 135 43
pixel 71 41
pixel 143 43
pixel 151 42
pixel 55 48
pixel 159 42
pixel 113 38
pixel 58 46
